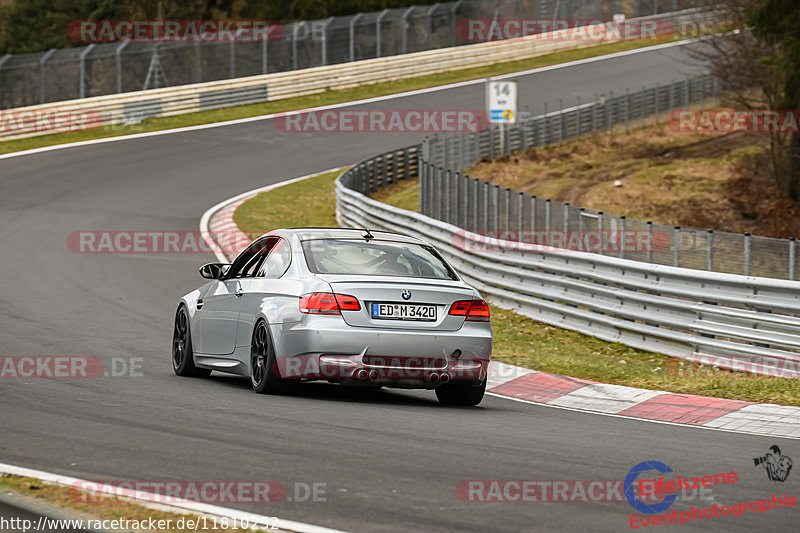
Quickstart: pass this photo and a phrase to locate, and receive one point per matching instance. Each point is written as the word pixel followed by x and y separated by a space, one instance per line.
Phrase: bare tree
pixel 736 57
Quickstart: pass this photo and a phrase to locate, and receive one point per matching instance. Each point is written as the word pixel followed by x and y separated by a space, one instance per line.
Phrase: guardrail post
pixel 687 93
pixel 710 249
pixel 295 25
pixel 792 257
pixel 232 56
pixel 622 220
pixel 642 102
pixel 406 13
pixel 715 83
pixel 486 207
pixel 563 120
pixel 453 20
pixel 609 124
pixel 43 75
pixel 496 209
pixel 546 126
pixel 627 106
pixel 566 220
pixel 324 43
pixel 378 32
pixel 82 71
pixel 747 254
pixel 508 210
pixel 671 95
pixel 578 117
pixel 395 179
pixel 656 102
pixel 676 244
pixel 118 64
pixel 547 218
pixel 491 141
pixel 649 241
pixel 353 36
pixel 461 150
pixel 465 180
pixel 702 92
pixel 447 186
pixel 520 215
pixel 429 14
pixel 533 215
pixel 475 204
pixel 600 216
pixel 594 114
pixel 264 54
pixel 446 155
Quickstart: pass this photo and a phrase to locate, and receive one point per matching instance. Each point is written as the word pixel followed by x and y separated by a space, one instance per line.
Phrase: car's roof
pixel 306 234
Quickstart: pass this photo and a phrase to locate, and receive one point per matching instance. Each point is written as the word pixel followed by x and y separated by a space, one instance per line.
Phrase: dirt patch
pixel 704 180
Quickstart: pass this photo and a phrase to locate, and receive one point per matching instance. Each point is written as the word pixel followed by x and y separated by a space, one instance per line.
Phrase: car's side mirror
pixel 214 270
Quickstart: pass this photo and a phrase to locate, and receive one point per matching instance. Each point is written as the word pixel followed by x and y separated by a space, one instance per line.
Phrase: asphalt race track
pixel 390 461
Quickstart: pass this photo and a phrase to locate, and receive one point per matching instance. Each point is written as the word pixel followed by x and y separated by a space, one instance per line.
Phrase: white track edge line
pixel 184 506
pixel 415 92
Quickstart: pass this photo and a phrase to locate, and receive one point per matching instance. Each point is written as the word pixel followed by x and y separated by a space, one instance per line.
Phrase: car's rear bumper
pixel 327 348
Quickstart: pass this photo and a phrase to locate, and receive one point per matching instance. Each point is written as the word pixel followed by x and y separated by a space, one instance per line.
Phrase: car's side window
pixel 249 261
pixel 277 262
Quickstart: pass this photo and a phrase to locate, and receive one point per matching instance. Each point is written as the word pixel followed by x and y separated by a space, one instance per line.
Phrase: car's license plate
pixel 394 311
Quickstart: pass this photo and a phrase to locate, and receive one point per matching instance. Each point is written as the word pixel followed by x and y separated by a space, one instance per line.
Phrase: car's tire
pixel 460 393
pixel 264 375
pixel 182 354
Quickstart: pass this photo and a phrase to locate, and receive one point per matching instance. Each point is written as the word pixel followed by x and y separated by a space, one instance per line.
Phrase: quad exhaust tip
pixel 361 374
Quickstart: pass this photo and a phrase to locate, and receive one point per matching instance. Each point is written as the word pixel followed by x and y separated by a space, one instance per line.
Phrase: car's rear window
pixel 375 258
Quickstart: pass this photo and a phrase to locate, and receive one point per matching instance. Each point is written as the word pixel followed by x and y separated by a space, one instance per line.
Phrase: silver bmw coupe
pixel 348 306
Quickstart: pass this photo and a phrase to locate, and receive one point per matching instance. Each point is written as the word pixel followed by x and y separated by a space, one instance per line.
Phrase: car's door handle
pixel 239 290
pixel 199 304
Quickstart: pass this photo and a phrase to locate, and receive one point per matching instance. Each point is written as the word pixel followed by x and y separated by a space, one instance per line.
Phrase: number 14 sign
pixel 501 101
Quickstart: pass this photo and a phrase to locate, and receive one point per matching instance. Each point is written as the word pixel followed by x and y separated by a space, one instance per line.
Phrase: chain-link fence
pixel 501 213
pixel 117 67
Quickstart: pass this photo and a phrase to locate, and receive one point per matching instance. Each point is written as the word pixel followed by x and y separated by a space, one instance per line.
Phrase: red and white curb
pixel 687 409
pixel 521 384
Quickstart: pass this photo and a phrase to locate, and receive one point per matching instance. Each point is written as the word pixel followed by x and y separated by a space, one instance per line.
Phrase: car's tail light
pixel 474 310
pixel 326 303
pixel 347 303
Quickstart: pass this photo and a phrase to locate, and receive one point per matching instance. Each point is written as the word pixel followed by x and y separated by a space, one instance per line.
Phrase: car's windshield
pixel 375 258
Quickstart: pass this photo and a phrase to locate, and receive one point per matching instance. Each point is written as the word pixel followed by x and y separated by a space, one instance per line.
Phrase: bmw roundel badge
pixel 406 295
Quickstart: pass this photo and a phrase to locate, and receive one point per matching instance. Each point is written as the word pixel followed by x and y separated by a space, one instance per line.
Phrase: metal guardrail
pixel 119 67
pixel 736 322
pixel 449 195
pixel 135 106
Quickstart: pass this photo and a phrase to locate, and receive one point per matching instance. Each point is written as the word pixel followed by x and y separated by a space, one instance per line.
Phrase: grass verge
pixel 105 507
pixel 325 98
pixel 520 340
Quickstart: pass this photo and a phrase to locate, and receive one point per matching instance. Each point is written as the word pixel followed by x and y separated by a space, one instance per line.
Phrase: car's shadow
pixel 338 393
